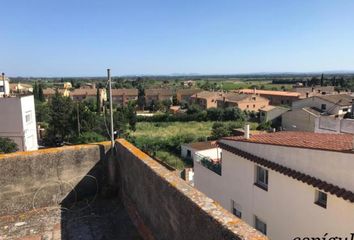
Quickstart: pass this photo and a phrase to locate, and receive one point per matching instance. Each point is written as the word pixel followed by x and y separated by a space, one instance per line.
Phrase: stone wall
pixel 159 203
pixel 37 179
pixel 166 207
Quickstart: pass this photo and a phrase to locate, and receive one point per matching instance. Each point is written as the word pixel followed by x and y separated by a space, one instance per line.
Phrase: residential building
pixel 250 102
pixel 285 184
pixel 272 113
pixel 314 91
pixel 4 86
pixel 159 94
pixel 185 94
pixel 80 94
pixel 209 149
pixel 338 104
pixel 122 96
pixel 300 119
pixel 50 92
pixel 206 99
pixel 63 85
pixel 21 88
pixel 275 97
pixel 18 121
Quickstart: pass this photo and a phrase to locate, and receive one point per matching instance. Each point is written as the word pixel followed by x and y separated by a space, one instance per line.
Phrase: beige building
pixel 286 184
pixel 122 96
pixel 206 99
pixel 81 94
pixel 185 94
pixel 274 97
pixel 49 92
pixel 160 94
pixel 249 102
pixel 21 88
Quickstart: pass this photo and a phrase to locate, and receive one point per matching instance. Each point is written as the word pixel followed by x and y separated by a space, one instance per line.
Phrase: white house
pixel 338 104
pixel 207 149
pixel 18 121
pixel 5 80
pixel 288 185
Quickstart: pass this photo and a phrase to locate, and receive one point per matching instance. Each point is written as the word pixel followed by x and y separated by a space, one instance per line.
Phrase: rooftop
pixel 338 99
pixel 320 141
pixel 159 91
pixel 270 92
pixel 125 91
pixel 207 94
pixel 203 145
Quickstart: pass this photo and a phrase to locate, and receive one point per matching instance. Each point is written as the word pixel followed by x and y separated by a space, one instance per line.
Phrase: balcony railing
pixel 209 163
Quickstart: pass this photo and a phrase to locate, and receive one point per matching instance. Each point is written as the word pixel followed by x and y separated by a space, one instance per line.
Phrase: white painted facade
pixel 329 124
pixel 287 207
pixel 18 121
pixel 213 153
pixel 7 87
pixel 322 104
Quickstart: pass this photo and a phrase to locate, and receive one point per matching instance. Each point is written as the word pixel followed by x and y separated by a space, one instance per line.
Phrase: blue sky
pixel 83 38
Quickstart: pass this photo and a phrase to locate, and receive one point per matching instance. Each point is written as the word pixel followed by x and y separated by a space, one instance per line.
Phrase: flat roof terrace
pixel 94 192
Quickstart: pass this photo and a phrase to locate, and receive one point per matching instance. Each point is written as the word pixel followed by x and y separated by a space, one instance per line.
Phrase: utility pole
pixel 3 82
pixel 110 106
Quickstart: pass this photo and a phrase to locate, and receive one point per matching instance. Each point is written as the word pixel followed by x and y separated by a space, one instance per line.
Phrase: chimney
pixel 247 131
pixel 254 90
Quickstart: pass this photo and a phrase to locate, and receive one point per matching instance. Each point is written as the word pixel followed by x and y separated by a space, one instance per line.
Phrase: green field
pixel 170 129
pixel 162 140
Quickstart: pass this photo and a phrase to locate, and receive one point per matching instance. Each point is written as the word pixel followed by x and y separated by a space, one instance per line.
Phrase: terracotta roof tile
pixel 321 141
pixel 270 92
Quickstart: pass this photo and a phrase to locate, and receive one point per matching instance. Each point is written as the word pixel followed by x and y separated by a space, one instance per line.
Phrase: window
pixel 321 199
pixel 189 153
pixel 261 178
pixel 254 105
pixel 28 117
pixel 236 209
pixel 323 106
pixel 248 106
pixel 260 225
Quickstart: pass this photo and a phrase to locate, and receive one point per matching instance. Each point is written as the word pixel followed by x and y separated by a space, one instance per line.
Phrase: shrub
pixel 7 145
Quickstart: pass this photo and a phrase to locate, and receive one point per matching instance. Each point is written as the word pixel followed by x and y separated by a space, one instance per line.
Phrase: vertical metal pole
pixel 110 106
pixel 3 82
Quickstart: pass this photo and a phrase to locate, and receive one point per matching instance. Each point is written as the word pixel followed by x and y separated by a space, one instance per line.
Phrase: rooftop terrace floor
pixel 100 219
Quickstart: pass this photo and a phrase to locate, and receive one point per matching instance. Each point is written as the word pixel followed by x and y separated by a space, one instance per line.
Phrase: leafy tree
pixel 7 145
pixel 40 96
pixel 220 130
pixel 232 113
pixel 35 90
pixel 88 137
pixel 60 116
pixel 98 103
pixel 215 114
pixel 264 125
pixel 42 111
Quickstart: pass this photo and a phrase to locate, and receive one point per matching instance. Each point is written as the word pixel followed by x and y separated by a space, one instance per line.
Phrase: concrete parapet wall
pixel 43 178
pixel 168 206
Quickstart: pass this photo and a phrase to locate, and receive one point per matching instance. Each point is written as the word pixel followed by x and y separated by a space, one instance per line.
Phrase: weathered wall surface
pixel 169 207
pixel 30 180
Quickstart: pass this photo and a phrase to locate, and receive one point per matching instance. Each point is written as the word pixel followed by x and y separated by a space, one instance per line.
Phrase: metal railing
pixel 209 163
